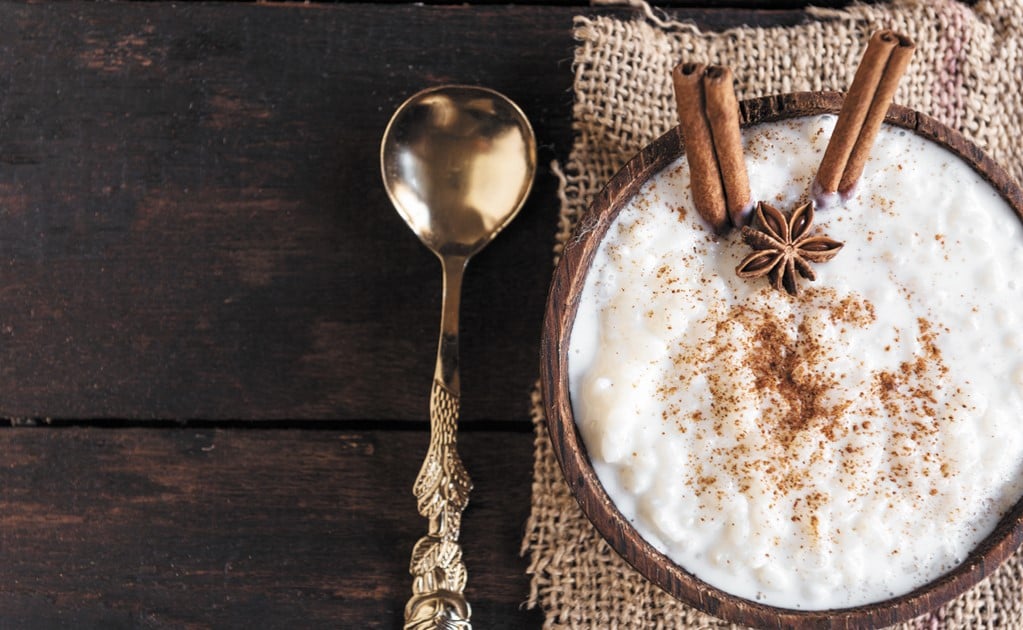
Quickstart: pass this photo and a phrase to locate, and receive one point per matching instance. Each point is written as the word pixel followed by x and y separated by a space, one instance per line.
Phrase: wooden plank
pixel 244 529
pixel 192 223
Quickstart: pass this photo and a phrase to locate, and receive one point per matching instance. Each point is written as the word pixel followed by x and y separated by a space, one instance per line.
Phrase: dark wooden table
pixel 217 337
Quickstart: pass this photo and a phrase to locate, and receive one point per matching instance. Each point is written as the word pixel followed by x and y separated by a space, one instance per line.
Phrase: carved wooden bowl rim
pixel 562 304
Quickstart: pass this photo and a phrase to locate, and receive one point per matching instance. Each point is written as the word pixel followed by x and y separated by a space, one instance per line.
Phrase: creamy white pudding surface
pixel 830 450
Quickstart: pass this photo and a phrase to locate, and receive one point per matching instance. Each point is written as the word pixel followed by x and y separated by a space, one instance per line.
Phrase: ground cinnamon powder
pixel 785 365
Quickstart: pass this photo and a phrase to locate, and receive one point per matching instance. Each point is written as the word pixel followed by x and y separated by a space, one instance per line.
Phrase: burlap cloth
pixel 967 72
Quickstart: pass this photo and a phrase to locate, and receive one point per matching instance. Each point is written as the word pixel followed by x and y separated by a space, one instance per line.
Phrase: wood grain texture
pixel 190 528
pixel 193 220
pixel 562 306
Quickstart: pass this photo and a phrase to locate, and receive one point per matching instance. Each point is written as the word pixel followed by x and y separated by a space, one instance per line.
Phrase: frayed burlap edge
pixel 967 72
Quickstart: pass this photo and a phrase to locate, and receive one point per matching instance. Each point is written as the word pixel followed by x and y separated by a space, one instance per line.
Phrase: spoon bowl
pixel 458 163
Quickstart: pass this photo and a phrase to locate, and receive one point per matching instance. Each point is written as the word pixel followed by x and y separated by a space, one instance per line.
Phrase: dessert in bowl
pixel 846 456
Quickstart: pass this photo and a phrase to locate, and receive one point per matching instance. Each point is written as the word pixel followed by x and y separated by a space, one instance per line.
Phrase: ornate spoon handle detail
pixel 442 487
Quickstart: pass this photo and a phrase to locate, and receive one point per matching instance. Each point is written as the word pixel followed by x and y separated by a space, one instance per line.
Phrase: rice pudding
pixel 826 451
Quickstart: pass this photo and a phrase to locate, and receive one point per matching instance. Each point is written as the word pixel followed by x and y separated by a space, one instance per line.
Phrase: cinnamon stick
pixel 705 180
pixel 893 71
pixel 723 115
pixel 863 111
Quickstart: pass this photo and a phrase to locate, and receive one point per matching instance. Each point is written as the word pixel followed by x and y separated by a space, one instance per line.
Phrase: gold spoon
pixel 458 163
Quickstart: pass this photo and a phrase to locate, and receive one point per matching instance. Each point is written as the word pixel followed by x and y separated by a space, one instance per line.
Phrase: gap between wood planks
pixel 476 426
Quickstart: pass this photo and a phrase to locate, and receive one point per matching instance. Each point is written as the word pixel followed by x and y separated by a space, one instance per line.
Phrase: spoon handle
pixel 442 486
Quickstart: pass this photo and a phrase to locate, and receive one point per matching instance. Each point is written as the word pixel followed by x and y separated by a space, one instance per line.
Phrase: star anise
pixel 784 247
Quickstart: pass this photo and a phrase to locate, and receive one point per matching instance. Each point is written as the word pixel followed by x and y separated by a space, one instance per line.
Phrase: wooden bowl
pixel 562 304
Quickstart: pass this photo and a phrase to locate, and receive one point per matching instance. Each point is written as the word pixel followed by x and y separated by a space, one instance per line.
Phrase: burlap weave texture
pixel 967 72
